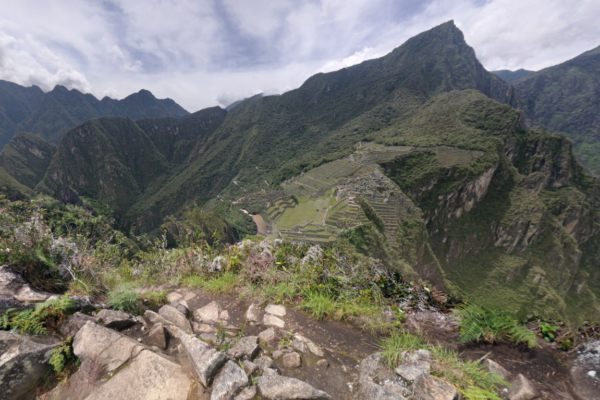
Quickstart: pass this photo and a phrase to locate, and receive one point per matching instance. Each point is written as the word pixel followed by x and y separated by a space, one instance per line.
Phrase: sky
pixel 203 53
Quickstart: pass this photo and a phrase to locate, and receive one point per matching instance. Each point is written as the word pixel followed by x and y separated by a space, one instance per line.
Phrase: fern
pixel 480 324
pixel 61 355
pixel 38 320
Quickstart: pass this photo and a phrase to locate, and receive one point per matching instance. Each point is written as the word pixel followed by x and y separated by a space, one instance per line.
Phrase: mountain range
pixel 421 158
pixel 50 115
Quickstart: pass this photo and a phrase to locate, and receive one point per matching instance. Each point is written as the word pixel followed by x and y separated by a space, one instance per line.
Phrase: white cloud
pixel 201 52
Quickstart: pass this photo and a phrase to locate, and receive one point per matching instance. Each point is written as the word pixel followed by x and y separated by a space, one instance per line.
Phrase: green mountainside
pixel 26 158
pixel 419 158
pixel 61 109
pixel 511 76
pixel 566 99
pixel 119 162
pixel 16 104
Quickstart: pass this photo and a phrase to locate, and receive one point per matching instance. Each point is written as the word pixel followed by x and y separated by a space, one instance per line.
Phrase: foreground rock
pixel 23 360
pixel 201 360
pixel 172 315
pixel 133 370
pixel 246 348
pixel 73 323
pixel 279 387
pixel 14 284
pixel 585 372
pixel 118 320
pixel 228 382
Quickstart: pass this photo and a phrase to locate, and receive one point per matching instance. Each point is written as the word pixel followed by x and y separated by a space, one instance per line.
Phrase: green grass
pixel 222 284
pixel 319 305
pixel 124 298
pixel 470 377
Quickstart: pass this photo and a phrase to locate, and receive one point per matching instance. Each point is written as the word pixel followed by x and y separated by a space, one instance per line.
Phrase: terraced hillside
pixel 321 205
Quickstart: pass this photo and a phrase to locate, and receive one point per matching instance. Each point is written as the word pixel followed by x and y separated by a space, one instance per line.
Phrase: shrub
pixel 45 317
pixel 480 324
pixel 124 298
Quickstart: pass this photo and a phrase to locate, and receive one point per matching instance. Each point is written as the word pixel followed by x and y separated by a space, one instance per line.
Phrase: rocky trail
pixel 201 346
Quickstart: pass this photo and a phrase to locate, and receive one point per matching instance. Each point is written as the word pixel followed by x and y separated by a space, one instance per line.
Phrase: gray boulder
pixel 147 377
pixel 201 360
pixel 249 367
pixel 292 360
pixel 498 369
pixel 267 335
pixel 154 318
pixel 254 313
pixel 264 362
pixel 114 366
pixel 248 393
pixel 228 381
pixel 585 372
pixel 372 391
pixel 14 284
pixel 118 320
pixel 523 389
pixel 157 337
pixel 73 323
pixel 23 359
pixel 209 313
pixel 175 317
pixel 412 370
pixel 427 387
pixel 279 387
pixel 246 348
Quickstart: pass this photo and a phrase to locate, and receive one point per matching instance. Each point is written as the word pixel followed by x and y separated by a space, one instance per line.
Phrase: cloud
pixel 207 52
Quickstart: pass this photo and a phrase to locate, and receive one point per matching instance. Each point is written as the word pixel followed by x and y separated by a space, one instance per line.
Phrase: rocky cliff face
pixel 514 231
pixel 565 99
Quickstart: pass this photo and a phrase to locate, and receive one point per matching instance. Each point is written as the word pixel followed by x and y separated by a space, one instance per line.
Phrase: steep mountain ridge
pixel 566 99
pixel 26 158
pixel 61 109
pixel 16 104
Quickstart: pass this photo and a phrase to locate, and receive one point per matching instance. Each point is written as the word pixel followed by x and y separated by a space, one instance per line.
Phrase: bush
pixel 124 298
pixel 480 324
pixel 40 320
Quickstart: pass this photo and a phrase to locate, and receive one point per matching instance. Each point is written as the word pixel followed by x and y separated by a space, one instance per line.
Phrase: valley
pixel 408 227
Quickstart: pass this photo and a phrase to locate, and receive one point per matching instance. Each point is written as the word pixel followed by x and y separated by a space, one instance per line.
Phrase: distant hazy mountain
pixel 61 109
pixel 51 114
pixel 566 99
pixel 16 104
pixel 511 76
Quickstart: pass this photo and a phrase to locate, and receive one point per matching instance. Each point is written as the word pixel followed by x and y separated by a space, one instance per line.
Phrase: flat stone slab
pixel 428 387
pixel 202 360
pixel 172 315
pixel 267 335
pixel 276 387
pixel 246 348
pixel 275 309
pixel 203 328
pixel 174 296
pixel 292 360
pixel 316 350
pixel 271 320
pixel 148 377
pixel 254 313
pixel 228 381
pixel 209 313
pixel 412 370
